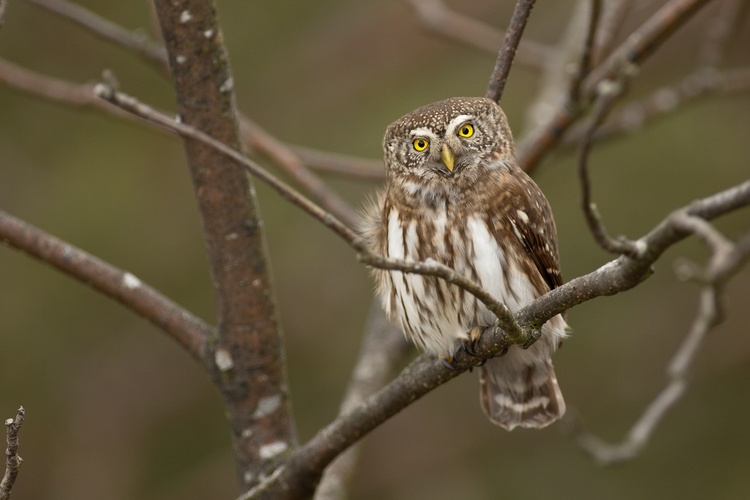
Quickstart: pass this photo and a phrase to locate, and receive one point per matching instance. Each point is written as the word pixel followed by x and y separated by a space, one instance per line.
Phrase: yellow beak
pixel 447 156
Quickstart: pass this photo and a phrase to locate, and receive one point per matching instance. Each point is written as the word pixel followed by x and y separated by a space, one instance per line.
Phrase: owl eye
pixel 466 130
pixel 420 144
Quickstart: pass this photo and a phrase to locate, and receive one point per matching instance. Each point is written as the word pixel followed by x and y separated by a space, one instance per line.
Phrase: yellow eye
pixel 466 130
pixel 420 144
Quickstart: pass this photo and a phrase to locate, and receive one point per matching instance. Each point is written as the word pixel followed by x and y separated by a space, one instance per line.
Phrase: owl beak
pixel 447 156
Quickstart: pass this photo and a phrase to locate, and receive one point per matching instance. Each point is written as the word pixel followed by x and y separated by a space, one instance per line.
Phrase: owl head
pixel 448 139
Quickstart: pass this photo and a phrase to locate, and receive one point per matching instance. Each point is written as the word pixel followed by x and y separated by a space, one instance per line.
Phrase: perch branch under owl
pixel 423 374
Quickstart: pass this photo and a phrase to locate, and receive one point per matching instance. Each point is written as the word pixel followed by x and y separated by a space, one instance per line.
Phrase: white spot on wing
pixel 522 216
pixel 185 16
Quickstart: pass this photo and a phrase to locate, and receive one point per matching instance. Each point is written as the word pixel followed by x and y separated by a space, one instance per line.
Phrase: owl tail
pixel 518 391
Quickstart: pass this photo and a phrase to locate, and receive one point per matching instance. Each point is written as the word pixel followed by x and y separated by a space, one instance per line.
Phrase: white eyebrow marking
pixel 459 120
pixel 422 132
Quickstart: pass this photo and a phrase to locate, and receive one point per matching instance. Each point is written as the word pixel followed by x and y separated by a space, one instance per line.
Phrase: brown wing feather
pixel 535 228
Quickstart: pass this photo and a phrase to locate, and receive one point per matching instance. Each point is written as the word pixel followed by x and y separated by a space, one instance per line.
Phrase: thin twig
pixel 189 331
pixel 12 460
pixel 507 53
pixel 726 260
pixel 383 349
pixel 584 65
pixel 613 19
pixel 718 32
pixel 627 57
pixel 3 8
pixel 253 135
pixel 263 142
pixel 440 18
pixel 339 164
pixel 429 267
pixel 153 52
pixel 634 116
pixel 606 100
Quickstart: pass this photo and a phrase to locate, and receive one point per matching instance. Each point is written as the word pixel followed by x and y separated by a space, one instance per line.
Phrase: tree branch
pixel 508 51
pixel 12 460
pixel 437 16
pixel 138 43
pixel 291 160
pixel 608 94
pixel 286 158
pixel 634 116
pixel 383 348
pixel 189 331
pixel 339 164
pixel 303 468
pixel 726 260
pixel 246 358
pixel 626 58
pixel 3 8
pixel 305 464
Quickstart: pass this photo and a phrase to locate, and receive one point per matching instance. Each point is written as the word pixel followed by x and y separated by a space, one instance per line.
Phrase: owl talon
pixel 448 363
pixel 469 345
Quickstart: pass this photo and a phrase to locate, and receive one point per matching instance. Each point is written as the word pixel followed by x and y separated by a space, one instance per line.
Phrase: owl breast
pixel 434 314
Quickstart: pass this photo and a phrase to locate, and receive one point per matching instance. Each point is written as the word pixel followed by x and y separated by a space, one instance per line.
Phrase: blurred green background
pixel 116 410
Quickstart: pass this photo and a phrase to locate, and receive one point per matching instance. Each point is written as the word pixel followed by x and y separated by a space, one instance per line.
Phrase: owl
pixel 455 194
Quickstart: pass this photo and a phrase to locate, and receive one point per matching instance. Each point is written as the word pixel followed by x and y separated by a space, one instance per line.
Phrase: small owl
pixel 455 194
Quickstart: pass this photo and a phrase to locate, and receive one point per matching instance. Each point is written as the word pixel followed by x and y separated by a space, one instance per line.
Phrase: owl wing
pixel 533 225
pixel 543 253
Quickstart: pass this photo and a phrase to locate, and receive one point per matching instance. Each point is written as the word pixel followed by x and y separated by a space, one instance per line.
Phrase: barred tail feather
pixel 520 395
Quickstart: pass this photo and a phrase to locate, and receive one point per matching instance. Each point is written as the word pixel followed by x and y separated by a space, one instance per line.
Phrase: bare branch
pixel 247 355
pixel 263 142
pixel 152 52
pixel 701 83
pixel 304 466
pixel 625 272
pixel 12 460
pixel 437 16
pixel 383 348
pixel 254 136
pixel 720 28
pixel 508 51
pixel 604 103
pixel 338 164
pixel 726 260
pixel 53 89
pixel 645 40
pixel 636 49
pixel 584 65
pixel 613 17
pixel 189 331
pixel 3 8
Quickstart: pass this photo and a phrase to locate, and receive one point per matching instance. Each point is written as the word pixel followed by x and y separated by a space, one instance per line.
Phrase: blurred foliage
pixel 114 408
